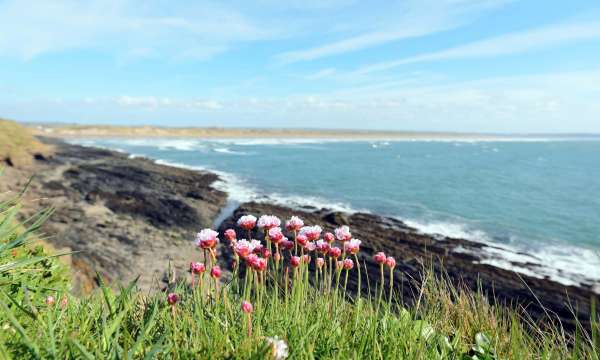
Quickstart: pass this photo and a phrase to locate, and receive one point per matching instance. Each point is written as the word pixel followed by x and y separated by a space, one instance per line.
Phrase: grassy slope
pixel 17 144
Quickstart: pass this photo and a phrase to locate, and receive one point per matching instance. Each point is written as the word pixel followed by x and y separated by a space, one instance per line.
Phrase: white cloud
pixel 321 74
pixel 125 28
pixel 409 20
pixel 513 43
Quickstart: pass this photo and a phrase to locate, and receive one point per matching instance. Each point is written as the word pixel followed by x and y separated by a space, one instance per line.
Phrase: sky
pixel 498 66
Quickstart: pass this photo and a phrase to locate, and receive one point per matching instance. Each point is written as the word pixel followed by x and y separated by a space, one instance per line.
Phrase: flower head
pixel 339 264
pixel 379 258
pixel 322 247
pixel 348 264
pixel 301 239
pixel 50 300
pixel 197 268
pixel 310 246
pixel 215 272
pixel 312 233
pixel 247 307
pixel 352 246
pixel 230 234
pixel 275 235
pixel 243 248
pixel 207 238
pixel 247 222
pixel 172 298
pixel 268 222
pixel 266 253
pixel 294 224
pixel 295 261
pixel 278 347
pixel 260 264
pixel 390 262
pixel 343 233
pixel 252 260
pixel 256 246
pixel 329 237
pixel 320 262
pixel 306 259
pixel 287 244
pixel 335 252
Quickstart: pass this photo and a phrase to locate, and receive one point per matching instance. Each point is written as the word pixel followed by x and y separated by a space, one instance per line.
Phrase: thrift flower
pixel 252 260
pixel 328 237
pixel 50 300
pixel 295 261
pixel 255 246
pixel 268 222
pixel 339 264
pixel 242 248
pixel 215 272
pixel 172 298
pixel 230 234
pixel 265 253
pixel 348 264
pixel 320 262
pixel 390 262
pixel 197 268
pixel 343 233
pixel 312 233
pixel 287 244
pixel 301 239
pixel 352 246
pixel 335 252
pixel 380 258
pixel 322 247
pixel 247 222
pixel 294 224
pixel 260 264
pixel 247 307
pixel 275 235
pixel 310 246
pixel 306 259
pixel 207 239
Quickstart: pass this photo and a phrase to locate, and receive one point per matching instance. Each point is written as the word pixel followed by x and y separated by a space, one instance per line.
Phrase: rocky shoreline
pixel 127 218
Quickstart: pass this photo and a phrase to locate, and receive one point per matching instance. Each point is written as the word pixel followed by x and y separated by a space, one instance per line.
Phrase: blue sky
pixel 443 65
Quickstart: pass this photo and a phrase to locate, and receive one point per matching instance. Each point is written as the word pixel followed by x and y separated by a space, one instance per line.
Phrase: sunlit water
pixel 540 197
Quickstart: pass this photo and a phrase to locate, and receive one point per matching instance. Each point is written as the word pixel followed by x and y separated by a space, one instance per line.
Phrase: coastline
pixel 124 231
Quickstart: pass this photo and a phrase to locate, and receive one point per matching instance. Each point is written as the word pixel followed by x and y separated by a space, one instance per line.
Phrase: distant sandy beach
pixel 79 131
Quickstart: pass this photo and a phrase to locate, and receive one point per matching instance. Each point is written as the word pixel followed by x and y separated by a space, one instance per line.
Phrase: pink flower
pixel 301 239
pixel 352 246
pixel 230 234
pixel 277 257
pixel 287 245
pixel 339 264
pixel 328 237
pixel 242 248
pixel 255 246
pixel 295 261
pixel 172 298
pixel 260 264
pixel 322 247
pixel 379 258
pixel 390 262
pixel 306 259
pixel 64 302
pixel 197 268
pixel 247 307
pixel 343 233
pixel 50 300
pixel 215 272
pixel 294 224
pixel 268 222
pixel 207 238
pixel 320 262
pixel 247 222
pixel 348 264
pixel 312 233
pixel 275 235
pixel 335 252
pixel 265 253
pixel 252 260
pixel 310 246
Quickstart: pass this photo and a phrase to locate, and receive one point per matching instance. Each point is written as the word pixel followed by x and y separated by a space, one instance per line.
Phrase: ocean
pixel 537 197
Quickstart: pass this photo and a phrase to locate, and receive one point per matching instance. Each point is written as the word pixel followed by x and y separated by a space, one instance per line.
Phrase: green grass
pixel 18 145
pixel 208 322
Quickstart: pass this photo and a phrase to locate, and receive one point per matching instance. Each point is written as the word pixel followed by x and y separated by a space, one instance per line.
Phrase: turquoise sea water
pixel 538 197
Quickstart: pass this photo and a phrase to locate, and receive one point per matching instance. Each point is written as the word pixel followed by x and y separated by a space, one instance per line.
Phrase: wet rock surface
pixel 123 217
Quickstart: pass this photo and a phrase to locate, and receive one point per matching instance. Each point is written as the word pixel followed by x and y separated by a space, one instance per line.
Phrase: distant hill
pixel 18 146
